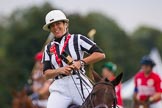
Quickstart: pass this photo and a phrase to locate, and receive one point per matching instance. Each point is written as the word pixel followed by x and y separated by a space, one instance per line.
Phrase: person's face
pixel 146 68
pixel 58 28
pixel 106 73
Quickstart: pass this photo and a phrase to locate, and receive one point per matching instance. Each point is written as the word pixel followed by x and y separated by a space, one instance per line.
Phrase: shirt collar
pixel 58 40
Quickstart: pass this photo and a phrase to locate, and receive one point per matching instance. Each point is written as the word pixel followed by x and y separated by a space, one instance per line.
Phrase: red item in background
pixel 147 85
pixel 118 93
pixel 38 56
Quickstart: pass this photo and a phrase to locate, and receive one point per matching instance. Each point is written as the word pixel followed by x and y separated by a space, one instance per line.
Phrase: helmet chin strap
pixel 67 29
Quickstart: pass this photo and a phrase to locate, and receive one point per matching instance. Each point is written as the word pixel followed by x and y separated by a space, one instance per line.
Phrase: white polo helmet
pixel 54 16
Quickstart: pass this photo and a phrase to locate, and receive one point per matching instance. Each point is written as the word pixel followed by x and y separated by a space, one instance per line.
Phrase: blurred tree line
pixel 21 37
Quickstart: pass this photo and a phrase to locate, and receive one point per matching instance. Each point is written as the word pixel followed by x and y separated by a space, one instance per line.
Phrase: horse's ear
pixel 117 80
pixel 97 78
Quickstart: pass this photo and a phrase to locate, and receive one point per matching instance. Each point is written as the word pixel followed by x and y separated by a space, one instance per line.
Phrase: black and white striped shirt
pixel 76 47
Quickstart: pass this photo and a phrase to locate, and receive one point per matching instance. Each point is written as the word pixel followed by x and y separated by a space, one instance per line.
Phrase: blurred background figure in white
pixel 40 85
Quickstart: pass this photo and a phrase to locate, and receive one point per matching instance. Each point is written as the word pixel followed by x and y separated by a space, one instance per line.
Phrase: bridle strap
pixel 105 83
pixel 101 106
pixel 81 85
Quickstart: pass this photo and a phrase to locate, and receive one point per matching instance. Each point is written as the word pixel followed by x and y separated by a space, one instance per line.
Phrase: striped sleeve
pixel 88 46
pixel 85 43
pixel 46 54
pixel 46 58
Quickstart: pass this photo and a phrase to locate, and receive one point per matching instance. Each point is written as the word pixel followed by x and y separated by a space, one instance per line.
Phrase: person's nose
pixel 54 26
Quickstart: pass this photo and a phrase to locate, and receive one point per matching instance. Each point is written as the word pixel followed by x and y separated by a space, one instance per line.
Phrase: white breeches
pixel 156 105
pixel 40 103
pixel 63 92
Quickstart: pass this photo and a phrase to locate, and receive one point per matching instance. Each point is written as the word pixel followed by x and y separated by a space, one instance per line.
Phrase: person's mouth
pixel 57 31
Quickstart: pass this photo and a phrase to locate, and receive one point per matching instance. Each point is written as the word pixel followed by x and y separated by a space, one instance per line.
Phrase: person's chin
pixel 58 36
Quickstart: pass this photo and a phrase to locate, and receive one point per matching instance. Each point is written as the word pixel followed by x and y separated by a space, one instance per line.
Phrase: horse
pixel 103 93
pixel 21 100
pixel 140 104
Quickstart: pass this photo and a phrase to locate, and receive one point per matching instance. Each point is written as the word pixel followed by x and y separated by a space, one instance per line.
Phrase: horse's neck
pixel 15 103
pixel 29 103
pixel 24 102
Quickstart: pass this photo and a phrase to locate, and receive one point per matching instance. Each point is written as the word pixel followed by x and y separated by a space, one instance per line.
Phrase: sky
pixel 129 14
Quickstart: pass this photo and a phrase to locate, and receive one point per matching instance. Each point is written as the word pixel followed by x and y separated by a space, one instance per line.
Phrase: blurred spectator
pixel 40 85
pixel 147 86
pixel 108 71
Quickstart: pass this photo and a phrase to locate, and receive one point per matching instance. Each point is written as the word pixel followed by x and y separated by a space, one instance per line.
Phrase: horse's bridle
pixel 103 105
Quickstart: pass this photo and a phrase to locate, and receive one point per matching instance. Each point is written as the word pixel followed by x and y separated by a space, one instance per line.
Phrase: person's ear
pixel 66 24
